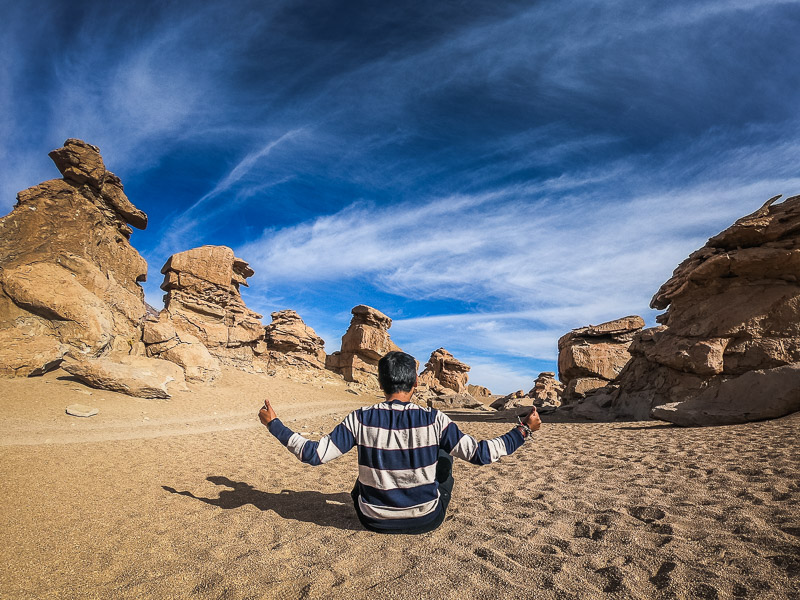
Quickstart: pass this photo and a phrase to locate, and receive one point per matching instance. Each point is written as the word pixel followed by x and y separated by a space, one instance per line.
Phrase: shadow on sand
pixel 327 510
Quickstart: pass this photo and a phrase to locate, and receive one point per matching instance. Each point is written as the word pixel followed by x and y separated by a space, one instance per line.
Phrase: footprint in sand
pixel 648 514
pixel 613 577
pixel 662 578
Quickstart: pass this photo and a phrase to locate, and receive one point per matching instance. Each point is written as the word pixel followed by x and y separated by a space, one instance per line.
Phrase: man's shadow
pixel 329 510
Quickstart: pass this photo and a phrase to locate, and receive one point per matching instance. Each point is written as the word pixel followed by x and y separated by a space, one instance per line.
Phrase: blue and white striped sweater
pixel 398 445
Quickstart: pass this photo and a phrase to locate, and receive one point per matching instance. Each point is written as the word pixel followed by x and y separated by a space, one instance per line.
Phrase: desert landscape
pixel 134 464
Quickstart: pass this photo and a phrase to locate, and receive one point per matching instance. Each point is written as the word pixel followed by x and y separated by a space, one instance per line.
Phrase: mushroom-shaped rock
pixel 203 300
pixel 365 342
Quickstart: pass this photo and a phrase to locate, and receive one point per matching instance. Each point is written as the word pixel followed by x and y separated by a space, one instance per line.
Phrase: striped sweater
pixel 398 445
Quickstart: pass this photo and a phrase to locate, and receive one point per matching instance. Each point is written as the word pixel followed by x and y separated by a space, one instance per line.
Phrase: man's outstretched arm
pixel 485 452
pixel 330 446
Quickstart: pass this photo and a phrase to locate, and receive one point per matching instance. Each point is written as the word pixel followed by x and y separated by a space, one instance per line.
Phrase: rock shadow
pixel 327 510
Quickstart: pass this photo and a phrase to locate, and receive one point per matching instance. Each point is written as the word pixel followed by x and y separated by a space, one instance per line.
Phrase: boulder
pixel 163 341
pixel 728 347
pixel 69 277
pixel 203 300
pixel 443 371
pixel 478 391
pixel 594 355
pixel 547 390
pixel 753 396
pixel 132 375
pixel 454 401
pixel 365 342
pixel 290 342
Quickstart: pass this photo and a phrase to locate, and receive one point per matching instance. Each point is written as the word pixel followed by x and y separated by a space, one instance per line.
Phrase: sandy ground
pixel 192 497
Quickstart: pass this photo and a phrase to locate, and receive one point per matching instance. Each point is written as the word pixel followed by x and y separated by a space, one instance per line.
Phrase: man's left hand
pixel 267 413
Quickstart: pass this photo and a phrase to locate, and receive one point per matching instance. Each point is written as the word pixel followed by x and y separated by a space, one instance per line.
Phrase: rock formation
pixel 444 372
pixel 203 301
pixel 131 375
pixel 512 400
pixel 590 357
pixel 69 277
pixel 291 342
pixel 443 383
pixel 547 390
pixel 185 350
pixel 478 391
pixel 728 350
pixel 365 342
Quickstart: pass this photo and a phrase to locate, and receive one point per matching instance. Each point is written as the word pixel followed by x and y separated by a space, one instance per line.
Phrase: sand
pixel 192 498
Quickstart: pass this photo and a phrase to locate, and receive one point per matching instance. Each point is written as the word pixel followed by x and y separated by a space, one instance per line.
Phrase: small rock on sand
pixel 81 410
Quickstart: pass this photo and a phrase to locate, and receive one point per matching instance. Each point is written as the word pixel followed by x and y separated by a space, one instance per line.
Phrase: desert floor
pixel 192 497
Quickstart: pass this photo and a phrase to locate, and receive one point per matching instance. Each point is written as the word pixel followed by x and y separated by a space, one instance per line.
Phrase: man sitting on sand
pixel 405 452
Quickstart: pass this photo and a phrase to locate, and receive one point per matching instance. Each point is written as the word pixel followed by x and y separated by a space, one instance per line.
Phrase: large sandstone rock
pixel 728 347
pixel 290 342
pixel 547 390
pixel 590 357
pixel 478 391
pixel 365 342
pixel 185 350
pixel 203 300
pixel 131 375
pixel 69 277
pixel 512 400
pixel 444 371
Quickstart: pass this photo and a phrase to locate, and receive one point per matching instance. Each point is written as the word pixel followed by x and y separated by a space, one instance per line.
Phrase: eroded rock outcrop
pixel 69 277
pixel 365 342
pixel 132 375
pixel 512 400
pixel 290 342
pixel 478 391
pixel 185 350
pixel 443 383
pixel 547 390
pixel 445 372
pixel 590 357
pixel 728 349
pixel 203 301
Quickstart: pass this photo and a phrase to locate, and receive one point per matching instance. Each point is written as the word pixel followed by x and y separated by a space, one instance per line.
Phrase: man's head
pixel 397 372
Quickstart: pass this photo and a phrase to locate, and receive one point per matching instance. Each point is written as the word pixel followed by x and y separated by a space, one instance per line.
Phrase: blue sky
pixel 489 174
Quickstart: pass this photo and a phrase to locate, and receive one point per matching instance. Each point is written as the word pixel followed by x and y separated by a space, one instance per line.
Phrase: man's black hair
pixel 397 372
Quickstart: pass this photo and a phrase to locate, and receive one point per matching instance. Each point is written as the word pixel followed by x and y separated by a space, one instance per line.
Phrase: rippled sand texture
pixel 199 501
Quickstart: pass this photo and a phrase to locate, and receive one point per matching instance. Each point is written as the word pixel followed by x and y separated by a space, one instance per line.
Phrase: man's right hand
pixel 267 414
pixel 533 421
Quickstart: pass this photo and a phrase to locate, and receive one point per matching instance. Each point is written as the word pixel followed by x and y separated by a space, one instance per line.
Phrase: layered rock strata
pixel 547 390
pixel 444 372
pixel 478 391
pixel 203 300
pixel 69 277
pixel 728 348
pixel 365 342
pixel 185 350
pixel 290 342
pixel 590 357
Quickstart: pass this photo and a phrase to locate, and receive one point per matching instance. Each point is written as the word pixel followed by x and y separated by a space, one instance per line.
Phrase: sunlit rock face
pixel 590 357
pixel 365 342
pixel 290 342
pixel 728 348
pixel 69 277
pixel 203 300
pixel 445 372
pixel 547 390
